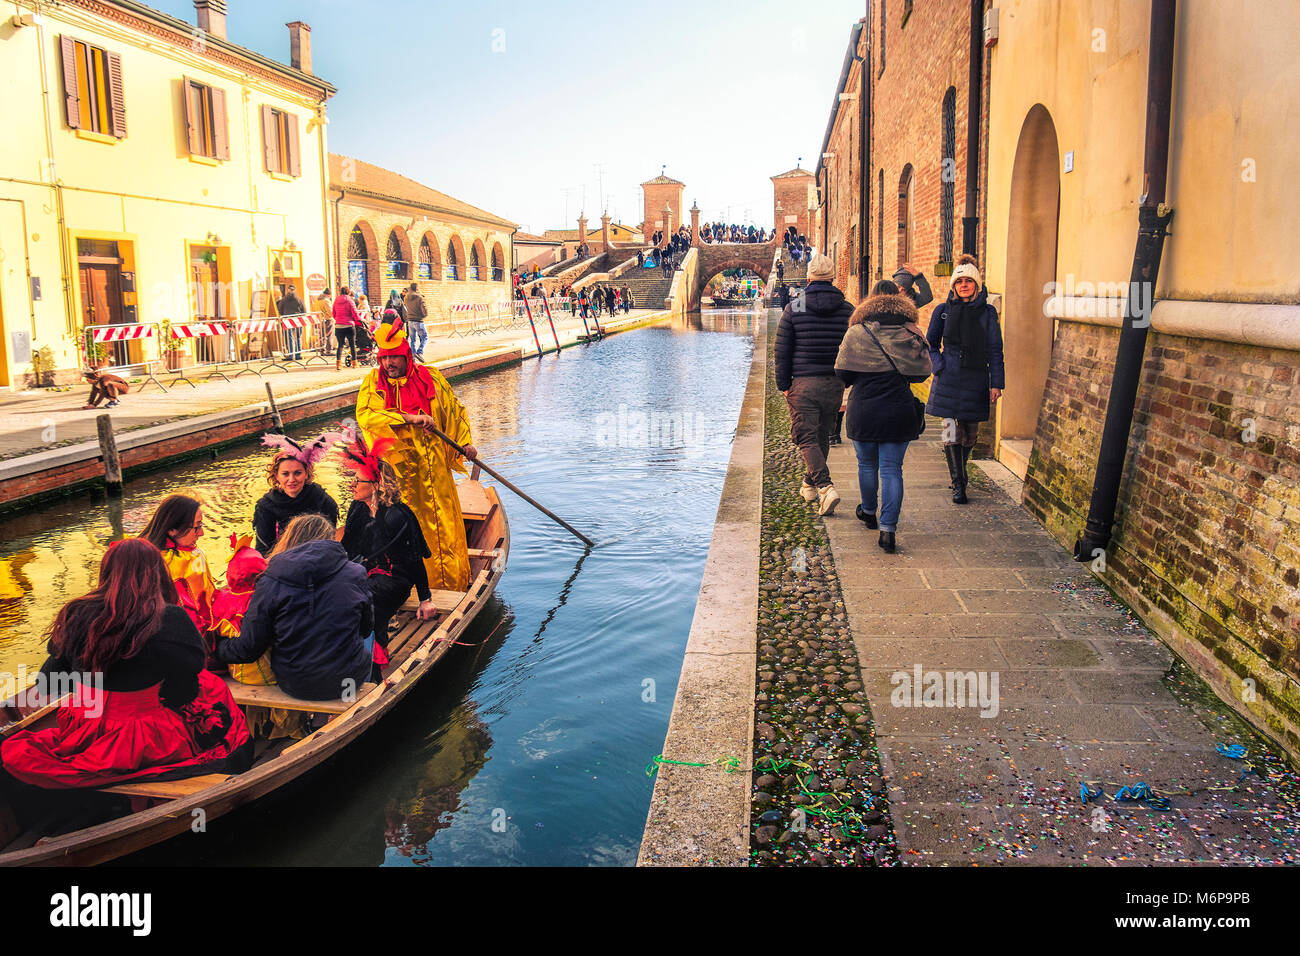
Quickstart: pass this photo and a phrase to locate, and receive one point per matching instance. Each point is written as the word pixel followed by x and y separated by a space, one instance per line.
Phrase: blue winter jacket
pixel 312 608
pixel 963 393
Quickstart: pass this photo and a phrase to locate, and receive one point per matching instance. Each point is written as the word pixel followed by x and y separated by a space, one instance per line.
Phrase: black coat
pixel 963 393
pixel 275 509
pixel 809 334
pixel 311 607
pixel 391 541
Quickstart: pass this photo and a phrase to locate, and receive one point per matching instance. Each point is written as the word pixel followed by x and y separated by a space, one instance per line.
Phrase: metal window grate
pixel 948 174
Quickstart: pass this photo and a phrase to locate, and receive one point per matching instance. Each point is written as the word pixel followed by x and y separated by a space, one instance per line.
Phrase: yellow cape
pixel 424 463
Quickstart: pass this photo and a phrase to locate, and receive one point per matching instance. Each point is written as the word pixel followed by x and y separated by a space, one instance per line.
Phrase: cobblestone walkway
pixel 1084 694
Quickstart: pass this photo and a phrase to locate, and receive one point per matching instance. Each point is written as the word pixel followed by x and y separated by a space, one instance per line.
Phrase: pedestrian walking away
pixel 346 319
pixel 882 353
pixel 416 313
pixel 290 304
pixel 808 341
pixel 966 352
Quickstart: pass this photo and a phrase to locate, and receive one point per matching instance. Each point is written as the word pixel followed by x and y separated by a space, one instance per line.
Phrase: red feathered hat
pixel 357 458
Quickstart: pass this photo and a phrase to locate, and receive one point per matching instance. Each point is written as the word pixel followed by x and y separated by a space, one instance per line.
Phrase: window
pixel 473 263
pixel 397 267
pixel 424 264
pixel 905 230
pixel 880 225
pixel 280 151
pixel 881 68
pixel 853 245
pixel 357 244
pixel 452 271
pixel 205 120
pixel 92 87
pixel 907 12
pixel 948 175
pixel 498 270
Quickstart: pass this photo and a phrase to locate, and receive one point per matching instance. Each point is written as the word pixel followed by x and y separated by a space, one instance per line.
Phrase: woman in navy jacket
pixel 966 352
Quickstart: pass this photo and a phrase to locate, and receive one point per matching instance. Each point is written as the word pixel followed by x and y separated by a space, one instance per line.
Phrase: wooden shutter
pixel 72 101
pixel 220 135
pixel 295 154
pixel 193 129
pixel 116 101
pixel 270 155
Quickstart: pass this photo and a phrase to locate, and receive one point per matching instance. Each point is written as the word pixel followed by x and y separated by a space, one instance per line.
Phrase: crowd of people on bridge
pixel 712 232
pixel 878 351
pixel 797 246
pixel 306 603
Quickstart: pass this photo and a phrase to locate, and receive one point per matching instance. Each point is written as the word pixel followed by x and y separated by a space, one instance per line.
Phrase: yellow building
pixel 152 171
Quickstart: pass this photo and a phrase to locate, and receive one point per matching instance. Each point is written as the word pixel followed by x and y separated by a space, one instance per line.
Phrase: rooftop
pixel 370 180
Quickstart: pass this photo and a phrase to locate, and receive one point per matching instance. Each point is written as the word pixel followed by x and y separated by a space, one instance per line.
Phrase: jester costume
pixel 423 461
pixel 194 585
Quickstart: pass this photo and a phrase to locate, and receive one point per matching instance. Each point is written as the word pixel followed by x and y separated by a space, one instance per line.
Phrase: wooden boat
pixel 163 809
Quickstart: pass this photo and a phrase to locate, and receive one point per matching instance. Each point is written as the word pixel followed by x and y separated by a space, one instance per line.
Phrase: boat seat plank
pixel 168 789
pixel 474 502
pixel 269 695
pixel 444 601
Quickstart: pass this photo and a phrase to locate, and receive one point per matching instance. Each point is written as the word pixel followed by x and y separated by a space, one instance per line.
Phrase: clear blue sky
pixel 725 94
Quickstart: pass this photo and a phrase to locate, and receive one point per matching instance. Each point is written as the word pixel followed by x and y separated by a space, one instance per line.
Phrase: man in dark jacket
pixel 807 342
pixel 416 312
pixel 292 305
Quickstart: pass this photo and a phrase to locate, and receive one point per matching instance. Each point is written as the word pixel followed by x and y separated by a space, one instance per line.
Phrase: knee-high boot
pixel 956 457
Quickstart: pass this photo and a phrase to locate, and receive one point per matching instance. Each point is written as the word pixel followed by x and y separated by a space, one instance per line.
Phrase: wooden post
pixel 108 448
pixel 277 423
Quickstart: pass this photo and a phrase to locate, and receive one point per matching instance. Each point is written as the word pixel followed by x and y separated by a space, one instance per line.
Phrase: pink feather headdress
pixel 361 460
pixel 309 455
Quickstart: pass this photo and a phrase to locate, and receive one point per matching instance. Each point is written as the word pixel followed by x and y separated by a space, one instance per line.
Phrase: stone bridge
pixel 716 257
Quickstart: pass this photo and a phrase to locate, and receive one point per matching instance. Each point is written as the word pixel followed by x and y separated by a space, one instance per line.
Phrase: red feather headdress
pixel 361 460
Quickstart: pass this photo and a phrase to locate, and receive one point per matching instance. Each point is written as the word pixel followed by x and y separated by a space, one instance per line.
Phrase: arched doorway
pixel 1031 266
pixel 906 224
pixel 358 263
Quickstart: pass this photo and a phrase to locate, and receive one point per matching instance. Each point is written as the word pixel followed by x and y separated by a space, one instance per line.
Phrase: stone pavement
pixel 1083 693
pixel 40 419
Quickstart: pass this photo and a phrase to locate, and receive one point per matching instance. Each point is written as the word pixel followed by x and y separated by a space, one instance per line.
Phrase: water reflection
pixel 545 719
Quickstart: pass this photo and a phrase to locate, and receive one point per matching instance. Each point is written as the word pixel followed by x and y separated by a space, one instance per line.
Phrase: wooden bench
pixel 167 789
pixel 444 601
pixel 474 502
pixel 269 695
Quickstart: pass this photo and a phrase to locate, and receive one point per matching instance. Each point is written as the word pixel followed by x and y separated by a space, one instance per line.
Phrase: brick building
pixel 391 231
pixel 794 201
pixel 656 194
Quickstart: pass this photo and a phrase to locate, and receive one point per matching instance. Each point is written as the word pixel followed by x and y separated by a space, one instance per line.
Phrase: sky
pixel 506 105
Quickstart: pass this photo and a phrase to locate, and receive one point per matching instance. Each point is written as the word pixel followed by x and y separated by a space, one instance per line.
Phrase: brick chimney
pixel 212 17
pixel 299 46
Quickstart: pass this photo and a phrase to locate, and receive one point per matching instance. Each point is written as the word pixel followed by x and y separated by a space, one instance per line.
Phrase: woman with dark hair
pixel 311 607
pixel 966 351
pixel 293 490
pixel 144 706
pixel 175 529
pixel 883 352
pixel 383 535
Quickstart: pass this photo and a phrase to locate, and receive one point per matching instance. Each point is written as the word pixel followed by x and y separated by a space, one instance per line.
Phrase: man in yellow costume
pixel 403 400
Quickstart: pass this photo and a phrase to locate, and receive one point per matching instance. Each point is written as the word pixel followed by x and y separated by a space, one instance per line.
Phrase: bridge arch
pixel 717 257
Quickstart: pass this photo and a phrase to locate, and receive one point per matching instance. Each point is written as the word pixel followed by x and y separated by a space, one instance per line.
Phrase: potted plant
pixel 173 349
pixel 97 354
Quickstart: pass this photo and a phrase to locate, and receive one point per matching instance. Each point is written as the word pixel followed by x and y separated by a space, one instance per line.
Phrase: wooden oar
pixel 542 508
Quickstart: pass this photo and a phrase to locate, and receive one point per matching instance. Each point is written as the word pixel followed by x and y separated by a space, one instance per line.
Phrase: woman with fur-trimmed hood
pixel 882 353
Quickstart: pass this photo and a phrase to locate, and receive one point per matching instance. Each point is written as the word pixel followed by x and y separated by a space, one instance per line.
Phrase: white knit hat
pixel 966 268
pixel 821 269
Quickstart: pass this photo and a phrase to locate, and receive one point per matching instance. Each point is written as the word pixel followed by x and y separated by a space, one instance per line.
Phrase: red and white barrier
pixel 197 330
pixel 121 333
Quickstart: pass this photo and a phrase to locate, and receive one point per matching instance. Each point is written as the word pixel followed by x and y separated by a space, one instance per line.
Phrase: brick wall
pixel 794 195
pixel 1207 537
pixel 654 195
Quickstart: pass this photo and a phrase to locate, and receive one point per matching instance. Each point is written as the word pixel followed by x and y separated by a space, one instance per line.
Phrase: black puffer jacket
pixel 275 509
pixel 312 608
pixel 809 334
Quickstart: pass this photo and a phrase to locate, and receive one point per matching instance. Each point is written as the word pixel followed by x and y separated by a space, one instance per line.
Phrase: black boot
pixel 839 424
pixel 886 542
pixel 868 520
pixel 956 457
pixel 965 460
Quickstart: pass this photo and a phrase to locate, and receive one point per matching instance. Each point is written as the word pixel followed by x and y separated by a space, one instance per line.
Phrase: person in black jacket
pixel 312 609
pixel 882 353
pixel 292 305
pixel 293 492
pixel 807 341
pixel 383 535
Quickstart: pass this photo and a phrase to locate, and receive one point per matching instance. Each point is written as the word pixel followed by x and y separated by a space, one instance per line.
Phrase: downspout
pixel 338 244
pixel 974 81
pixel 864 169
pixel 1153 217
pixel 330 254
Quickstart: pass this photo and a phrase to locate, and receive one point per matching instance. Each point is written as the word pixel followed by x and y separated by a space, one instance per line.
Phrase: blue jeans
pixel 880 467
pixel 415 330
pixel 293 343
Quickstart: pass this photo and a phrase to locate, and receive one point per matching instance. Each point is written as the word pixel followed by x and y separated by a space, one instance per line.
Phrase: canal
pixel 527 746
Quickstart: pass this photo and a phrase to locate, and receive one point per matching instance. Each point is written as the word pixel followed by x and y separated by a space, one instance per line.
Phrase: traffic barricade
pixel 257 339
pixel 117 342
pixel 475 312
pixel 211 340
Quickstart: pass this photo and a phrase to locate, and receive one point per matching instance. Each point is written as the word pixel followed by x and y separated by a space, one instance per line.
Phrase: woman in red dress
pixel 144 706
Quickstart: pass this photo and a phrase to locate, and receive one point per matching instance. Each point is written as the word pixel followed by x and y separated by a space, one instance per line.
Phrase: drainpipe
pixel 1153 217
pixel 338 247
pixel 974 82
pixel 864 167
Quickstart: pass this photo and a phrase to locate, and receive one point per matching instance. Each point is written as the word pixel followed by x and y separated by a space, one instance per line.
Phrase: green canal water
pixel 527 746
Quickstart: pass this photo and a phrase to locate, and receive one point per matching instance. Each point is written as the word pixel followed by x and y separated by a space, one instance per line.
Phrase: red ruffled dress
pixel 159 715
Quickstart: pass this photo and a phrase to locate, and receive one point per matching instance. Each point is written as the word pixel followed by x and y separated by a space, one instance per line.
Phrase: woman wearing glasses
pixel 175 529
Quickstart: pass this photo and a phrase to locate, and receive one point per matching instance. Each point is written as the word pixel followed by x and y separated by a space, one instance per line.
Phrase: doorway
pixel 206 304
pixel 1028 331
pixel 99 267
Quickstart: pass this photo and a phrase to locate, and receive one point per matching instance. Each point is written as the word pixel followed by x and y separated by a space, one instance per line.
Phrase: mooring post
pixel 108 448
pixel 277 423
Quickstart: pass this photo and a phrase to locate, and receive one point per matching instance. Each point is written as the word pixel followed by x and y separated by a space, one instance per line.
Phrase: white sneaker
pixel 827 499
pixel 808 492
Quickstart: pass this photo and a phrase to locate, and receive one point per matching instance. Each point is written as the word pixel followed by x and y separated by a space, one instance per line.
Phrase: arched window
pixel 398 266
pixel 948 175
pixel 473 263
pixel 424 260
pixel 452 270
pixel 358 262
pixel 905 230
pixel 880 226
pixel 498 264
